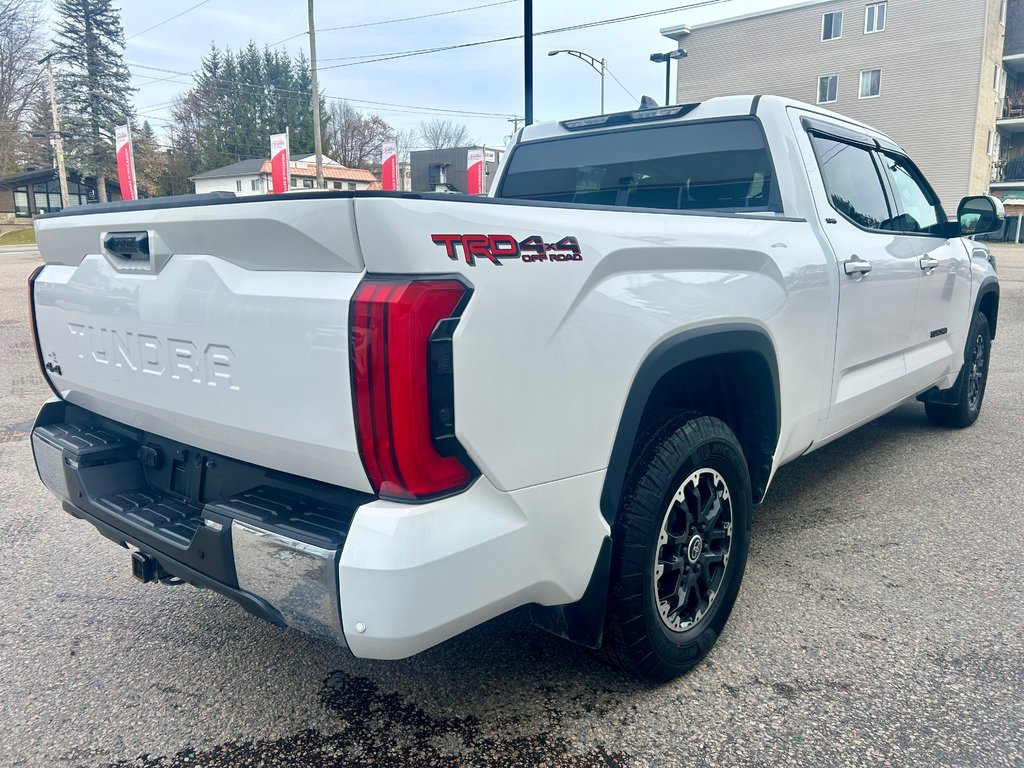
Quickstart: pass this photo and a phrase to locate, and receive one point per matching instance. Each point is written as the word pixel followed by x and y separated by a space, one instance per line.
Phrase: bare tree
pixel 443 134
pixel 21 76
pixel 355 139
pixel 407 140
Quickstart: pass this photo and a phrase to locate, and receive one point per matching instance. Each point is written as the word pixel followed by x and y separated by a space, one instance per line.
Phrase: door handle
pixel 928 263
pixel 856 267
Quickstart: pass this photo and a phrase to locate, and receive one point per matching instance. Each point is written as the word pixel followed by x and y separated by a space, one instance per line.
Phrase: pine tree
pixel 37 149
pixel 93 83
pixel 239 99
pixel 150 161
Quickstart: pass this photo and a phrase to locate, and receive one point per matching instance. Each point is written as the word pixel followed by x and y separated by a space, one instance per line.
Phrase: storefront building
pixel 23 196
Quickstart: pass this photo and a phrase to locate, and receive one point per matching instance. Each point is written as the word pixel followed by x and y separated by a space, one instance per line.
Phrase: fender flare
pixel 672 352
pixel 583 621
pixel 990 285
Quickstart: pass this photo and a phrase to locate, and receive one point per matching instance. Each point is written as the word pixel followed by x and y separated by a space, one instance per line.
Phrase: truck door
pixel 942 317
pixel 877 276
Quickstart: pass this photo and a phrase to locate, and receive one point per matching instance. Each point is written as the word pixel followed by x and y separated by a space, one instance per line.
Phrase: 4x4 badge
pixel 496 248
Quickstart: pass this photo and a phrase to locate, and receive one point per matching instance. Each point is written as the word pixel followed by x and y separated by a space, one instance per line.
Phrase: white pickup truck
pixel 385 418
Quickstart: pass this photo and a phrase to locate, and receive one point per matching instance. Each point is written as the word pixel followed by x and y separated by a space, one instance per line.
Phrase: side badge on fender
pixel 496 248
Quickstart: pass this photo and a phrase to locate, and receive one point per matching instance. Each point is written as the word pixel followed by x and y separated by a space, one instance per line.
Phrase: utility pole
pixel 58 140
pixel 318 147
pixel 515 123
pixel 528 59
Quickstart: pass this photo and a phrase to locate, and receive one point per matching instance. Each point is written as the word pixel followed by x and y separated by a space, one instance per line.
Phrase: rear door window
pixel 721 166
pixel 853 183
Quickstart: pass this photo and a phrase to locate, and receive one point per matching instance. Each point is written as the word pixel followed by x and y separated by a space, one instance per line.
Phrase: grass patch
pixel 26 236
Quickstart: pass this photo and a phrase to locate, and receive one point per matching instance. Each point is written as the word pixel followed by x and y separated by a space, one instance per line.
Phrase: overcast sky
pixel 486 78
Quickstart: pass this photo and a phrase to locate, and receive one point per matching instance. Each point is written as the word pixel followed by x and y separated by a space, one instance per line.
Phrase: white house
pixel 252 177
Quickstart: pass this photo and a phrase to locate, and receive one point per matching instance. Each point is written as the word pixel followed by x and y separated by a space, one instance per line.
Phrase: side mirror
pixel 980 214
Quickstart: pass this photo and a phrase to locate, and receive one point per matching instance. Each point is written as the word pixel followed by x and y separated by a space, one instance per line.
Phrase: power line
pixel 423 109
pixel 172 18
pixel 396 21
pixel 424 16
pixel 634 98
pixel 373 58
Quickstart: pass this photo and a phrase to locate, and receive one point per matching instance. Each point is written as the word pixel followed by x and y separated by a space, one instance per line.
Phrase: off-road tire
pixel 680 448
pixel 970 384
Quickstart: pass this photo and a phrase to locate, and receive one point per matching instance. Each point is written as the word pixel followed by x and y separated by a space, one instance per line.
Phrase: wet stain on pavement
pixel 379 728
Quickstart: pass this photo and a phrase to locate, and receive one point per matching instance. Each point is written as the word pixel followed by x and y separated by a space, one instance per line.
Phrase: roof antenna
pixel 646 102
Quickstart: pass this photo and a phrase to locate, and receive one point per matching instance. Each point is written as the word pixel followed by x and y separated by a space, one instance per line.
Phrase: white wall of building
pixel 242 186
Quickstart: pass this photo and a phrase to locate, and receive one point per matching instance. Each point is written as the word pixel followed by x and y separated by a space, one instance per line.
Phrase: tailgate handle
pixel 131 246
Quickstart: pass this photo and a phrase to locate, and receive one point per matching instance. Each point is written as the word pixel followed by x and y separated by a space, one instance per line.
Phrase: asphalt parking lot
pixel 880 623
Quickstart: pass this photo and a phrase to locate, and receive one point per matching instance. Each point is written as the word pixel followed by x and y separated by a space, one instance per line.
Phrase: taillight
pixel 402 379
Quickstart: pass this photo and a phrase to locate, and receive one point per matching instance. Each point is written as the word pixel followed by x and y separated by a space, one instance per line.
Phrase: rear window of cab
pixel 721 166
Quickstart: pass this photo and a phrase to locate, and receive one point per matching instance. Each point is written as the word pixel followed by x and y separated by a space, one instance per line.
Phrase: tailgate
pixel 221 326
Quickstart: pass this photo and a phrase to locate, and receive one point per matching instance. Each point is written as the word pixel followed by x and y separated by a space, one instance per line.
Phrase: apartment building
pixel 1008 171
pixel 930 73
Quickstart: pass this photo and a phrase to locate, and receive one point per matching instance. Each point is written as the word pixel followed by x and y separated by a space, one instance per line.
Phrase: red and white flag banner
pixel 475 172
pixel 125 163
pixel 389 166
pixel 279 169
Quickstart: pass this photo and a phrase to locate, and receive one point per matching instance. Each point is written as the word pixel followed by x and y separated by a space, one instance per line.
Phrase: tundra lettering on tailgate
pixel 179 359
pixel 495 248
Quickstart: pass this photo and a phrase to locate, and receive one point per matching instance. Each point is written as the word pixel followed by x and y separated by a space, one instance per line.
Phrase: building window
pixel 307 183
pixel 997 78
pixel 870 83
pixel 1002 13
pixel 337 185
pixel 991 146
pixel 832 25
pixel 828 88
pixel 47 197
pixel 256 185
pixel 238 185
pixel 295 182
pixel 21 209
pixel 874 18
pixel 351 186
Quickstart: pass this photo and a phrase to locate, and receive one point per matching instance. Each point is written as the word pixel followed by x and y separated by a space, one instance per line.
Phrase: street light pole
pixel 598 65
pixel 58 140
pixel 668 58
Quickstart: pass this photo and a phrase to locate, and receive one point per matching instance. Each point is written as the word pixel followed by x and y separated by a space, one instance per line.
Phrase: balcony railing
pixel 1011 110
pixel 1008 170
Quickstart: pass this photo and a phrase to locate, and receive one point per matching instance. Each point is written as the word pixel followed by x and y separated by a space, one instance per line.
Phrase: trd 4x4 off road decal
pixel 496 248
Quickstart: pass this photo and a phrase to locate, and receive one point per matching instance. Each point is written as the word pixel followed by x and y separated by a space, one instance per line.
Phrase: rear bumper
pixel 385 579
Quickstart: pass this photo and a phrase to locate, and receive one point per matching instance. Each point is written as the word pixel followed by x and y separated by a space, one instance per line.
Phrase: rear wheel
pixel 970 384
pixel 680 546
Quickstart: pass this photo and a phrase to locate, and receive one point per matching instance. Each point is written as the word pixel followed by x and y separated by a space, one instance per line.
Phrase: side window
pixel 852 182
pixel 920 211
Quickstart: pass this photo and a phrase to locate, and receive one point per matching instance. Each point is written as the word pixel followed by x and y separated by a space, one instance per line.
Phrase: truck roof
pixel 720 106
